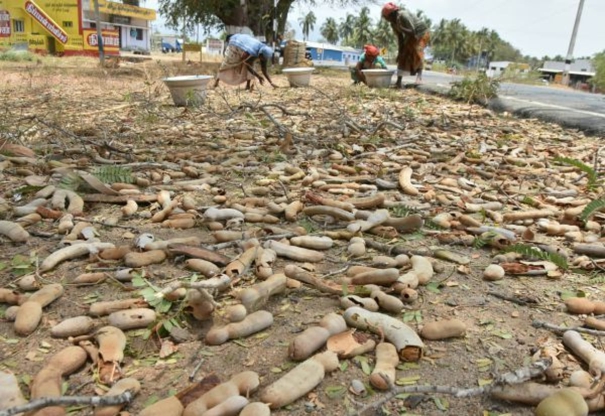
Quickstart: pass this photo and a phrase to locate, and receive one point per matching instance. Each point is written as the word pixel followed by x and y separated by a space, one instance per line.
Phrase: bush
pixel 17 56
pixel 475 90
pixel 599 63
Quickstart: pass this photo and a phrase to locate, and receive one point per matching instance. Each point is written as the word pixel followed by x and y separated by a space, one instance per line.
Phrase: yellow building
pixel 67 27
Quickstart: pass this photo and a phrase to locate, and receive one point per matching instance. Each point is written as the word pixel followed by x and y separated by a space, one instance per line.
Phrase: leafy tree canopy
pixel 258 15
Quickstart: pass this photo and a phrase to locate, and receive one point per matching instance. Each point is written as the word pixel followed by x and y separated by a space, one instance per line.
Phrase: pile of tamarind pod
pixel 329 218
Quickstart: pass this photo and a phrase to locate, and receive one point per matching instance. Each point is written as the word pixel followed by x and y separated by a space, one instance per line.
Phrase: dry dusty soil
pixel 258 152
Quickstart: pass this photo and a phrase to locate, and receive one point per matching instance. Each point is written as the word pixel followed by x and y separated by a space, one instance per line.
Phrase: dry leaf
pixel 168 348
pixel 343 343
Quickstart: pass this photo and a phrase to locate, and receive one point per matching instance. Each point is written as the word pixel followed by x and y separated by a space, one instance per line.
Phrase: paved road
pixel 566 107
pixel 570 108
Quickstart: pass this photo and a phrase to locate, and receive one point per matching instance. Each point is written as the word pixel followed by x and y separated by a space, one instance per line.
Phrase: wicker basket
pixel 294 55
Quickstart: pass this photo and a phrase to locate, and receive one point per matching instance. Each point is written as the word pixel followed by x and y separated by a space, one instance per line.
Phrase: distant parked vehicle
pixel 171 45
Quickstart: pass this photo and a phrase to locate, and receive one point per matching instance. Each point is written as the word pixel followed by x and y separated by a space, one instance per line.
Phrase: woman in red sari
pixel 412 37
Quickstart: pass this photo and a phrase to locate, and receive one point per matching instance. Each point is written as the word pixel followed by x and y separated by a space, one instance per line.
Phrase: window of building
pixel 136 33
pixel 18 26
pixel 68 24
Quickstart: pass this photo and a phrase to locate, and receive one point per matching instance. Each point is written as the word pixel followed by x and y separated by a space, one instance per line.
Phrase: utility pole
pixel 274 42
pixel 99 33
pixel 572 43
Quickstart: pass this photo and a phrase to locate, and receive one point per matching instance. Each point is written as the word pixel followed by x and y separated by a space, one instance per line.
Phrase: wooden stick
pixel 43 402
pixel 518 376
pixel 562 329
pixel 118 199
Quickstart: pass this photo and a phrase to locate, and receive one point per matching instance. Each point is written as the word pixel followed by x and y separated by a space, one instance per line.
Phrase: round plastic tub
pixel 188 90
pixel 298 77
pixel 378 78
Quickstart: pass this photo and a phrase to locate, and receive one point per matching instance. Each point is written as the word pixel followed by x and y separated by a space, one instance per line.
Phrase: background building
pixel 328 53
pixel 67 27
pixel 580 72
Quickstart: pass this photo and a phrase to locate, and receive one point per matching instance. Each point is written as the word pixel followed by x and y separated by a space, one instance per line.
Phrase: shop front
pixel 68 27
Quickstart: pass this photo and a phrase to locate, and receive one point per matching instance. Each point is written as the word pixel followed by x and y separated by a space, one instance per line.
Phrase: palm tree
pixel 307 23
pixel 383 34
pixel 329 30
pixel 347 27
pixel 363 28
pixel 455 35
pixel 438 40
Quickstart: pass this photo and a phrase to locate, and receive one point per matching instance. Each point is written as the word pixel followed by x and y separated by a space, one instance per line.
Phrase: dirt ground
pixel 77 117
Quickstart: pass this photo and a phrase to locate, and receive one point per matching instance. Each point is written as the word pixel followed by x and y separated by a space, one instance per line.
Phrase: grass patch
pixel 17 56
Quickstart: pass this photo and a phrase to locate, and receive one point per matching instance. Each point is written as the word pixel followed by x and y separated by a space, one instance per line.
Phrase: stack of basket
pixel 294 55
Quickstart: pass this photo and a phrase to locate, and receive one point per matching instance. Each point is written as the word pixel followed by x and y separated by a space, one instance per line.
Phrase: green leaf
pixel 345 289
pixel 502 334
pixel 534 252
pixel 20 261
pixel 26 379
pixel 70 181
pixel 334 392
pixel 441 403
pixel 113 173
pixel 151 400
pixel 566 294
pixel 483 382
pixel 344 365
pixel 590 172
pixel 591 208
pixel 168 325
pixel 403 381
pixel 433 287
pixel 138 281
pixel 363 363
pixel 148 294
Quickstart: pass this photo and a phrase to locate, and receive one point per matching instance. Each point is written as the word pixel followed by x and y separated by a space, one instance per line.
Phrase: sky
pixel 536 27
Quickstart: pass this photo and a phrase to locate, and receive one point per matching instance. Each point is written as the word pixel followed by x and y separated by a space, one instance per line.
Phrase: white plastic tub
pixel 188 90
pixel 378 78
pixel 298 77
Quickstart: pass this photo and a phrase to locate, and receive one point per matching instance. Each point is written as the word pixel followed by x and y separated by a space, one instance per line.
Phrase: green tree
pixel 383 35
pixel 329 30
pixel 362 33
pixel 598 62
pixel 258 15
pixel 307 23
pixel 346 28
pixel 457 36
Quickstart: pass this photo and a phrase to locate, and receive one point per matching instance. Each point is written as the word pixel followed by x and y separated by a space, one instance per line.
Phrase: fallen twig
pixel 196 369
pixel 518 376
pixel 394 250
pixel 215 283
pixel 118 199
pixel 43 402
pixel 562 329
pixel 519 300
pixel 236 243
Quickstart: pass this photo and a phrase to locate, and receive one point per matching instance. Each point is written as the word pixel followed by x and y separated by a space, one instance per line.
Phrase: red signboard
pixel 47 23
pixel 5 24
pixel 111 40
